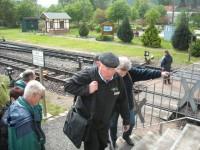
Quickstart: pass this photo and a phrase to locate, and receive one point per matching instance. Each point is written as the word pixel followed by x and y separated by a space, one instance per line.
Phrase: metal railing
pixel 165 102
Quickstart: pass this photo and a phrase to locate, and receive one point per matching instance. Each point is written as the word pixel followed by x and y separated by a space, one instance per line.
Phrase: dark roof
pixel 51 15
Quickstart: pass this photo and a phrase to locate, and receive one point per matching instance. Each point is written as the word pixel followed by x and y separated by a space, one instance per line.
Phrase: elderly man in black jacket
pixel 99 84
pixel 130 75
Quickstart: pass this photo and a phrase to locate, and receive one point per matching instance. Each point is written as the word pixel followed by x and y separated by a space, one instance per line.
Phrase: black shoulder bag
pixel 75 124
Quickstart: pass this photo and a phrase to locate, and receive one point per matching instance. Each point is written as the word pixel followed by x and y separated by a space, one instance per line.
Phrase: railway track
pixel 75 56
pixel 50 73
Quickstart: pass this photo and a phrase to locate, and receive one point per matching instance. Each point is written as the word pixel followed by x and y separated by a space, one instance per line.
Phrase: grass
pixel 54 109
pixel 87 45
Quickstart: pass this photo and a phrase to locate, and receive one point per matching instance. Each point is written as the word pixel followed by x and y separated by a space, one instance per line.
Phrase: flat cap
pixel 109 60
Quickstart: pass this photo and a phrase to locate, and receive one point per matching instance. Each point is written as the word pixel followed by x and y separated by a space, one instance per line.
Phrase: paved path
pixel 55 138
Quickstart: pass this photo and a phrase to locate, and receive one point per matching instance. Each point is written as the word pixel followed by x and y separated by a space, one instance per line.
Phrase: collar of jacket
pixel 19 113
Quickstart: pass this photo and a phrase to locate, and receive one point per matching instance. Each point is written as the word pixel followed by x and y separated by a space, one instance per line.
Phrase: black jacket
pixel 138 74
pixel 107 95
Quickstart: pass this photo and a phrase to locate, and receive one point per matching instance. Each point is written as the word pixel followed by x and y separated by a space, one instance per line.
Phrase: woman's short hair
pixel 124 63
pixel 34 88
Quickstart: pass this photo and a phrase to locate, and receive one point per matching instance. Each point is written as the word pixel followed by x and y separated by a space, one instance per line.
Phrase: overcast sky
pixel 47 3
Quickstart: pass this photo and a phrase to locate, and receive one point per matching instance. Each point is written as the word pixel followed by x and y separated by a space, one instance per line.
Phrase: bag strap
pixel 134 100
pixel 93 103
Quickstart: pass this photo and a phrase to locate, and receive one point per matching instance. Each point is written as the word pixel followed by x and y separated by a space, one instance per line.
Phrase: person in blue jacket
pixel 166 65
pixel 130 75
pixel 24 117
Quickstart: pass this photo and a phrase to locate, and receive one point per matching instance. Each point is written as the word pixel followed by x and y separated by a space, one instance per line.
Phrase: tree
pixel 151 38
pixel 80 10
pixel 102 4
pixel 142 6
pixel 195 19
pixel 83 30
pixel 55 8
pixel 182 35
pixel 26 8
pixel 64 2
pixel 118 10
pixel 152 16
pixel 164 2
pixel 134 13
pixel 161 10
pixel 7 13
pixel 99 16
pixel 125 32
pixel 143 9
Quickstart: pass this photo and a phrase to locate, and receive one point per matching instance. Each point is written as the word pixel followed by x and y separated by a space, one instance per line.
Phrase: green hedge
pixel 83 30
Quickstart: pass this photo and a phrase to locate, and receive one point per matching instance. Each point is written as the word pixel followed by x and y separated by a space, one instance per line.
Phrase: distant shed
pixel 29 24
pixel 56 23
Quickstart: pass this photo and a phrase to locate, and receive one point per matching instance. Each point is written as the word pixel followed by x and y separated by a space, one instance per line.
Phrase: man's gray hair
pixel 27 73
pixel 34 88
pixel 124 63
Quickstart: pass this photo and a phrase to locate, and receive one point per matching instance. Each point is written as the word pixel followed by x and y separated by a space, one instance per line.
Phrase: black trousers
pixel 97 139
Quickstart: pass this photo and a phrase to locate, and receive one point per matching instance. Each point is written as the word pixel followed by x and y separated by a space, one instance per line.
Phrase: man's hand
pixel 93 86
pixel 165 74
pixel 126 127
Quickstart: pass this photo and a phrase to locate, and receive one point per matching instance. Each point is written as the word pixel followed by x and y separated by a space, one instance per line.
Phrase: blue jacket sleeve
pixel 140 74
pixel 163 62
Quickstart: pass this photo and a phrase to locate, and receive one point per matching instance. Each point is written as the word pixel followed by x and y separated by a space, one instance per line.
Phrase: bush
pixel 98 28
pixel 182 35
pixel 104 38
pixel 83 30
pixel 151 38
pixel 4 93
pixel 195 49
pixel 181 38
pixel 125 32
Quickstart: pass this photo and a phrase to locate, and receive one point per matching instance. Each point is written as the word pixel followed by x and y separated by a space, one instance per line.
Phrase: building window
pixel 62 24
pixel 51 24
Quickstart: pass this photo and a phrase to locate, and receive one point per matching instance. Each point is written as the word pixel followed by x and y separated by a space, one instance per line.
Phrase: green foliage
pixel 80 10
pixel 195 19
pixel 183 18
pixel 104 38
pixel 26 8
pixel 99 16
pixel 164 2
pixel 161 10
pixel 102 4
pixel 143 9
pixel 119 10
pixel 151 37
pixel 182 34
pixel 4 94
pixel 55 8
pixel 134 13
pixel 98 28
pixel 83 30
pixel 152 16
pixel 7 13
pixel 195 49
pixel 125 32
